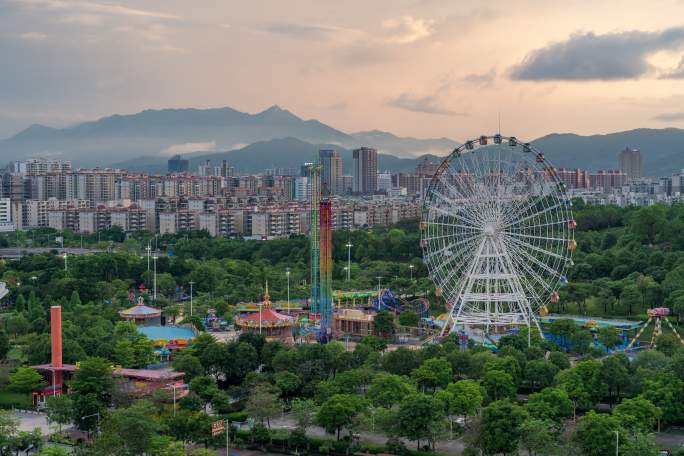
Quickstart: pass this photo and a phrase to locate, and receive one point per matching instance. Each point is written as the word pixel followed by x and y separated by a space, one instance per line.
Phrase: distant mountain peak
pixel 35 130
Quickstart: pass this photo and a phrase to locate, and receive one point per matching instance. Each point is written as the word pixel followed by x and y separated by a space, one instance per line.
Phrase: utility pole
pixel 191 284
pixel 155 277
pixel 617 443
pixel 66 268
pixel 379 278
pixel 411 269
pixel 349 246
pixel 287 273
pixel 149 250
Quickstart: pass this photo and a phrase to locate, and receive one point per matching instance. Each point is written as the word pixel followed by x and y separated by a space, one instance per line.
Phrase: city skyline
pixel 429 68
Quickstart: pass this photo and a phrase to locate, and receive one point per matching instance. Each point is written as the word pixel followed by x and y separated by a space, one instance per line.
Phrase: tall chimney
pixel 56 335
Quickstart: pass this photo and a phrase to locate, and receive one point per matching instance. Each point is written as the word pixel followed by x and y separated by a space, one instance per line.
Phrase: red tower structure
pixel 56 343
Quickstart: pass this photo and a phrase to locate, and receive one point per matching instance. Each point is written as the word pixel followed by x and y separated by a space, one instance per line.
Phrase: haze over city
pixel 420 68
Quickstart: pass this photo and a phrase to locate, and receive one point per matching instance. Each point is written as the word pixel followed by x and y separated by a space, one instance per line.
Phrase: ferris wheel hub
pixel 490 229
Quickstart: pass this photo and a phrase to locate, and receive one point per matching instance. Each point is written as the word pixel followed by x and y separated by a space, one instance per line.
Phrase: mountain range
pixel 278 138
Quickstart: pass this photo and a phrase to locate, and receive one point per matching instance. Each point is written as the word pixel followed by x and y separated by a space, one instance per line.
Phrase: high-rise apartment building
pixel 365 171
pixel 178 164
pixel 331 171
pixel 630 162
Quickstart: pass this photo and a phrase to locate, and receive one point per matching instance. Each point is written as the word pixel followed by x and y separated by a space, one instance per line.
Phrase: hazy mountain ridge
pixel 148 133
pixel 144 141
pixel 275 153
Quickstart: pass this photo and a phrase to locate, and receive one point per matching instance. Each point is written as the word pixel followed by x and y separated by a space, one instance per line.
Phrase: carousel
pixel 271 324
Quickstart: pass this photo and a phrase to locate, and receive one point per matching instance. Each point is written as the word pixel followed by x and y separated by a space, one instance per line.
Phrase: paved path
pixel 22 251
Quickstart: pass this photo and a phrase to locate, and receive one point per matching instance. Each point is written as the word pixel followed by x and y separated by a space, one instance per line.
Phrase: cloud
pixel 677 73
pixel 669 117
pixel 187 148
pixel 33 36
pixel 99 8
pixel 428 104
pixel 304 31
pixel 407 29
pixel 481 79
pixel 588 56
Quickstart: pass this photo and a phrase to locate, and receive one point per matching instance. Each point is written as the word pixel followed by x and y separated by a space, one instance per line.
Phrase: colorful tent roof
pixel 140 311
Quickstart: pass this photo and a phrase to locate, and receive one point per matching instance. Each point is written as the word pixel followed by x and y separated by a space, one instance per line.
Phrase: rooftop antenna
pixel 499 122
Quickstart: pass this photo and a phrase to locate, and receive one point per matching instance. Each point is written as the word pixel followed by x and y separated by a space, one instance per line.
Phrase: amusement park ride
pixel 497 234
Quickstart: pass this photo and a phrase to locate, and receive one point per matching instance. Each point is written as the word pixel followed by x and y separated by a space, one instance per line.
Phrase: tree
pixel 401 361
pixel 420 417
pixel 129 431
pixel 615 375
pixel 638 414
pixel 387 390
pixel 304 411
pixel 551 404
pixel 162 445
pixel 375 343
pixel 339 412
pixel 465 397
pixel 186 361
pixel 409 318
pixel 4 344
pixel 26 380
pixel 667 343
pixel 609 338
pixel 205 388
pixel 666 391
pixel 384 323
pixel 498 385
pixel 639 444
pixel 9 424
pixel 91 387
pixel 595 434
pixel 501 425
pixel 52 451
pixel 433 373
pixel 571 382
pixel 560 360
pixel 538 437
pixel 288 383
pixel 539 373
pixel 60 409
pixel 263 404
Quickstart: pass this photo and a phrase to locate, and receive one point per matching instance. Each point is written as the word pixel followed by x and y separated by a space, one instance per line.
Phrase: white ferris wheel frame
pixel 497 233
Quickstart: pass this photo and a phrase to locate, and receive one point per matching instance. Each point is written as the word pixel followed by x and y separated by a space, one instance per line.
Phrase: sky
pixel 424 68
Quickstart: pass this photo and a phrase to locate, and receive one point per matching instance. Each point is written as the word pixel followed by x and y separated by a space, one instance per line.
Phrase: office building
pixel 365 171
pixel 331 171
pixel 630 163
pixel 177 164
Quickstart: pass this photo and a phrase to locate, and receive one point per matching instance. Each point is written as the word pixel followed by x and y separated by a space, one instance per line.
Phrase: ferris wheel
pixel 497 233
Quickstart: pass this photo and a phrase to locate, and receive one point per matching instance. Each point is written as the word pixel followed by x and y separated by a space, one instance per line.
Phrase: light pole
pixel 349 246
pixel 287 273
pixel 97 414
pixel 66 268
pixel 411 269
pixel 155 277
pixel 149 250
pixel 191 284
pixel 617 443
pixel 173 385
pixel 379 278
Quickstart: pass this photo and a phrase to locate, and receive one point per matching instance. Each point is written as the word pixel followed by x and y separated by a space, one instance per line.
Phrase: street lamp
pixel 191 284
pixel 411 269
pixel 155 277
pixel 617 443
pixel 287 273
pixel 349 246
pixel 379 278
pixel 66 268
pixel 173 385
pixel 149 250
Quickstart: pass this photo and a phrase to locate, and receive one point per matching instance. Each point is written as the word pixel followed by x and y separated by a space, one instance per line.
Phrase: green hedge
pixel 15 400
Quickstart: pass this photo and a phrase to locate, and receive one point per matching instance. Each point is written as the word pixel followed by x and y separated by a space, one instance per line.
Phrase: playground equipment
pixel 497 233
pixel 658 315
